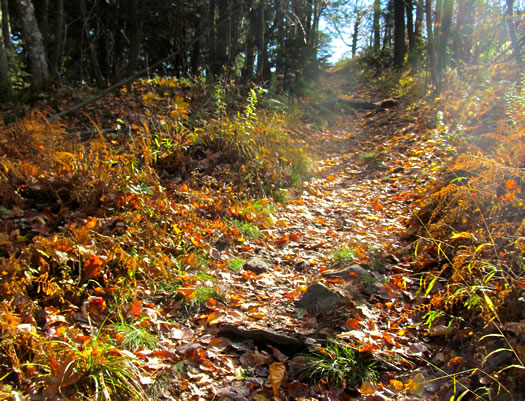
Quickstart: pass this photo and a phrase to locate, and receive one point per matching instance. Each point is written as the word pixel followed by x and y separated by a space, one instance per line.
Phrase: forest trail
pixel 341 230
pixel 152 250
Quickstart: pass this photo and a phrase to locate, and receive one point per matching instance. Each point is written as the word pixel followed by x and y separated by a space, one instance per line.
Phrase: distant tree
pixel 33 43
pixel 376 24
pixel 399 33
pixel 5 77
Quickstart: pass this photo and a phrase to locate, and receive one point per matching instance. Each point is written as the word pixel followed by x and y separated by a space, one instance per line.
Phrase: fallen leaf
pixel 189 293
pixel 136 309
pixel 91 268
pixel 277 371
pixel 396 384
pixel 367 388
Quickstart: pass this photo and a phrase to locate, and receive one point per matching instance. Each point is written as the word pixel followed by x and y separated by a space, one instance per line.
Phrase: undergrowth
pixel 340 365
pixel 90 228
pixel 470 228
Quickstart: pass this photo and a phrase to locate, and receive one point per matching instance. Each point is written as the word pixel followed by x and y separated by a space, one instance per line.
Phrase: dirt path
pixel 370 168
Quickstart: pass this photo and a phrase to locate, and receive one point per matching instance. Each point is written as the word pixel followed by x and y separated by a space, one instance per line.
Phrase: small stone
pixel 301 266
pixel 256 265
pixel 350 273
pixel 318 298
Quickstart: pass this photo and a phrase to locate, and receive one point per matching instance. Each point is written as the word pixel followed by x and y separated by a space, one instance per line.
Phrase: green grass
pixel 248 230
pixel 372 160
pixel 202 294
pixel 339 365
pixel 236 264
pixel 95 368
pixel 344 256
pixel 136 337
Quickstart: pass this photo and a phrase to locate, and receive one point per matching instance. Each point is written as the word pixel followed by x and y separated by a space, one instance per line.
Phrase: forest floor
pixel 164 282
pixel 343 230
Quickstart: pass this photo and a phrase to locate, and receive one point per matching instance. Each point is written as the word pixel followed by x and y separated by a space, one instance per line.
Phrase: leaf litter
pixel 225 334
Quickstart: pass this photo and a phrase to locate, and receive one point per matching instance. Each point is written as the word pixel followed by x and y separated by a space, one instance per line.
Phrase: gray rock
pixel 350 273
pixel 375 288
pixel 256 265
pixel 318 298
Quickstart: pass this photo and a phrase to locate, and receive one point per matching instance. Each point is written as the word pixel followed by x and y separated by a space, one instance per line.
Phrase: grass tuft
pixel 339 365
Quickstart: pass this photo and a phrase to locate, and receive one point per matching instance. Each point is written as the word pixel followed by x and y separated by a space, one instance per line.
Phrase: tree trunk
pixel 355 34
pixel 399 33
pixel 516 44
pixel 250 46
pixel 260 42
pixel 34 44
pixel 5 78
pixel 431 42
pixel 235 17
pixel 136 23
pixel 410 30
pixel 387 39
pixel 211 40
pixel 223 37
pixel 58 40
pixel 418 27
pixel 196 49
pixel 376 24
pixel 444 33
pixel 6 31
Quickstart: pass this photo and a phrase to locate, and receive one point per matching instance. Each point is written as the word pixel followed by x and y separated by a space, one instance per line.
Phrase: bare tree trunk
pixel 431 42
pixel 196 48
pixel 444 33
pixel 136 23
pixel 260 42
pixel 355 34
pixel 5 78
pixel 211 40
pixel 516 44
pixel 91 45
pixel 6 31
pixel 223 37
pixel 35 44
pixel 250 46
pixel 389 16
pixel 410 30
pixel 376 24
pixel 58 42
pixel 418 26
pixel 399 33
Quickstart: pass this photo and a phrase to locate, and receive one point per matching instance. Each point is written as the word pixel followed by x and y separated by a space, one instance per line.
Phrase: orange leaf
pixel 353 323
pixel 388 339
pixel 165 355
pixel 282 241
pixel 196 240
pixel 458 360
pixel 277 371
pixel 367 388
pixel 396 384
pixel 294 237
pixel 377 206
pixel 189 293
pixel 91 222
pixel 510 184
pixel 135 309
pixel 190 259
pixel 92 266
pixel 368 348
